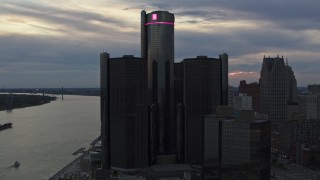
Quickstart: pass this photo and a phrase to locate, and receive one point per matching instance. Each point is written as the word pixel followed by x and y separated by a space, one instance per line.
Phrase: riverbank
pixel 73 170
pixel 14 101
pixel 79 168
pixel 57 91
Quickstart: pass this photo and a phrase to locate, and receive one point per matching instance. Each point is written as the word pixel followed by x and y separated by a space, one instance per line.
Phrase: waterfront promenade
pixel 78 169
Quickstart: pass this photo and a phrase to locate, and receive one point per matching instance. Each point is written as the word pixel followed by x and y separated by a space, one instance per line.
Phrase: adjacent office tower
pixel 239 145
pixel 179 111
pixel 278 88
pixel 201 94
pixel 157 47
pixel 309 103
pixel 105 109
pixel 124 112
pixel 314 89
pixel 224 79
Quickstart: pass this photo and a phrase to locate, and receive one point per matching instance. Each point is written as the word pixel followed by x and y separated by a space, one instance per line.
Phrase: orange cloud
pixel 238 74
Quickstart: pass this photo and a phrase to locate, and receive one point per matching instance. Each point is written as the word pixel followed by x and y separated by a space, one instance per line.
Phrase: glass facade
pixel 235 142
pixel 179 110
pixel 273 90
pixel 104 109
pixel 238 147
pixel 202 93
pixel 157 46
pixel 224 79
pixel 124 112
pixel 128 113
pixel 211 140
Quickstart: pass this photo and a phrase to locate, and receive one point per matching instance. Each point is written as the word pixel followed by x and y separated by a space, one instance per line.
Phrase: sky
pixel 48 44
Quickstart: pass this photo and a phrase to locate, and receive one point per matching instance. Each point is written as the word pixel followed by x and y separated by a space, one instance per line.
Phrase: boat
pixel 5 126
pixel 16 164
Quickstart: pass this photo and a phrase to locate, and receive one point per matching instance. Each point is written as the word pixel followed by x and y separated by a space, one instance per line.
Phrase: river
pixel 44 137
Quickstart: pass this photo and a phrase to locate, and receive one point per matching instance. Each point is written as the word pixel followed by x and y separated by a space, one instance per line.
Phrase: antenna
pixel 62 92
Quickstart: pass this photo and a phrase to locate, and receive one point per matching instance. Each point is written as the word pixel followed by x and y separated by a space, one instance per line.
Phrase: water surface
pixel 44 137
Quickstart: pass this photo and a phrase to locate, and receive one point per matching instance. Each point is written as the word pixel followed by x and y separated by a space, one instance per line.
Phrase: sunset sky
pixel 53 43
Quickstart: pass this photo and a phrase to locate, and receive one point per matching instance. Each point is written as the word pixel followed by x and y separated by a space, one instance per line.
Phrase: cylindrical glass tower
pixel 157 47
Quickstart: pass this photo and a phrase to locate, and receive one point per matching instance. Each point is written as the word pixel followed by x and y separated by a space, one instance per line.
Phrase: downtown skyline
pixel 46 44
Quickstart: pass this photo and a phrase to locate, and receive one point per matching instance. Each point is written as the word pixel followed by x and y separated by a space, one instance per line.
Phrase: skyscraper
pixel 128 113
pixel 179 110
pixel 273 90
pixel 124 118
pixel 291 85
pixel 157 47
pixel 278 90
pixel 202 93
pixel 146 122
pixel 105 109
pixel 224 79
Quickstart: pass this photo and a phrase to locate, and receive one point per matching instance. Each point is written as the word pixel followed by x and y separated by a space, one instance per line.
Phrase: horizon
pixel 50 45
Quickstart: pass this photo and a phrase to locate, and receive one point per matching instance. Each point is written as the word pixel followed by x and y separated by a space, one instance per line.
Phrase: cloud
pixel 239 73
pixel 66 21
pixel 43 38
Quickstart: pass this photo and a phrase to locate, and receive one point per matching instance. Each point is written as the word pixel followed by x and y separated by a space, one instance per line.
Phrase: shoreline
pixel 10 102
pixel 73 167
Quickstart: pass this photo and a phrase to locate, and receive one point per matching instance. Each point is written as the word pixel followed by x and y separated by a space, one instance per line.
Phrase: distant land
pixel 81 91
pixel 14 101
pixel 58 91
pixel 38 96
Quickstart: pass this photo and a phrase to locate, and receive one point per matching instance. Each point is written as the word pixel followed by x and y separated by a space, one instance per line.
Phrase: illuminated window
pixel 154 17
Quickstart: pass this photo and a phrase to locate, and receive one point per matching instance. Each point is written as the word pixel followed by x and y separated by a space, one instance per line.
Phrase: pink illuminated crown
pixel 154 17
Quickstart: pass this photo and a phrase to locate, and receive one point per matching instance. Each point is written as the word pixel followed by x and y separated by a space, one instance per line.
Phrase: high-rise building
pixel 105 109
pixel 240 145
pixel 152 109
pixel 309 103
pixel 314 89
pixel 202 93
pixel 299 130
pixel 212 135
pixel 224 79
pixel 124 112
pixel 157 47
pixel 291 86
pixel 253 90
pixel 277 90
pixel 179 111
